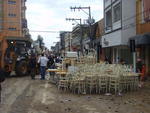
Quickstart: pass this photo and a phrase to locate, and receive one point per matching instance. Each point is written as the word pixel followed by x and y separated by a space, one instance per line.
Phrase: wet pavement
pixel 23 95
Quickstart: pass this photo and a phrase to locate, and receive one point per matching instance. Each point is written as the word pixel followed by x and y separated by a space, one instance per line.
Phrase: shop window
pixel 146 10
pixel 12 29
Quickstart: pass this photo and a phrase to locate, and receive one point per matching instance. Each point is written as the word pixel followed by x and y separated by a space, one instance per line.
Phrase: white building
pixel 68 40
pixel 120 25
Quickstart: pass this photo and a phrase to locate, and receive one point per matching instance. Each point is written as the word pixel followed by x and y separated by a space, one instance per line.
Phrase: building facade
pixel 119 26
pixel 142 38
pixel 98 45
pixel 76 38
pixel 68 41
pixel 63 35
pixel 1 16
pixel 80 38
pixel 56 49
pixel 13 21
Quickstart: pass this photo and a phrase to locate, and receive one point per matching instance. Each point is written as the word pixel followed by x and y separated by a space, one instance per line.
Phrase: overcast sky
pixel 50 15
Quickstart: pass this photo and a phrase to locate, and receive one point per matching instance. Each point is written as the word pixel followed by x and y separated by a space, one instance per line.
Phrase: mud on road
pixel 23 95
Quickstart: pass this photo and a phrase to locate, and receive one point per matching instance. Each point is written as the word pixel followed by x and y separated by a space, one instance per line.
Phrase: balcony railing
pixel 24 23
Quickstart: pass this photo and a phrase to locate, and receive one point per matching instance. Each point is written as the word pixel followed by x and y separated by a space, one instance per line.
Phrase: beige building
pixel 142 39
pixel 68 41
pixel 13 21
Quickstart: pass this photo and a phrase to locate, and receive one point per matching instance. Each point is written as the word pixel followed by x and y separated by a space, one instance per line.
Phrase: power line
pixel 49 31
pixel 45 31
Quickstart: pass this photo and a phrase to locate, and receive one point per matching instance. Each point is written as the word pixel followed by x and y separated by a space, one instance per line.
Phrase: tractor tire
pixel 22 68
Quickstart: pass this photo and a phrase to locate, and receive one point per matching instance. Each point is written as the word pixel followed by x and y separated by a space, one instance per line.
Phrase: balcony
pixel 24 7
pixel 24 23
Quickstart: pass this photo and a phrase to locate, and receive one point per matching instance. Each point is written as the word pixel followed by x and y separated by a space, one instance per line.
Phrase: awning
pixel 143 39
pixel 24 39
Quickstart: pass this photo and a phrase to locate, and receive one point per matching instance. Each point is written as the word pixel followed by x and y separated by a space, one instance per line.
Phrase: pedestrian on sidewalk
pixel 32 66
pixel 139 67
pixel 2 79
pixel 143 74
pixel 43 60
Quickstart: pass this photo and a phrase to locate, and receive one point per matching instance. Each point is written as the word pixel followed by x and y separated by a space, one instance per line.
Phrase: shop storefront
pixel 142 43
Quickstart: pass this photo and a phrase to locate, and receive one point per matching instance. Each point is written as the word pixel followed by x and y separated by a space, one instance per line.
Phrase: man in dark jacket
pixel 32 66
pixel 2 79
pixel 51 61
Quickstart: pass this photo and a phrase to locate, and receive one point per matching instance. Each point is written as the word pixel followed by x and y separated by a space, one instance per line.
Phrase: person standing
pixel 142 77
pixel 32 65
pixel 50 62
pixel 2 79
pixel 43 60
pixel 139 67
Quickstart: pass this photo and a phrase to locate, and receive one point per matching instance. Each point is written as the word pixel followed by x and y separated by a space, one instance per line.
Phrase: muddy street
pixel 23 95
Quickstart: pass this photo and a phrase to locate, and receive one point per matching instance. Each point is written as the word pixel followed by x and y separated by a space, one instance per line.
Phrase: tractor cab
pixel 15 56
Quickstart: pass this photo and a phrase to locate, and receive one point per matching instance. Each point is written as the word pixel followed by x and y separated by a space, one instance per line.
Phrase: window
pixel 12 29
pixel 11 2
pixel 11 15
pixel 117 12
pixel 108 20
pixel 146 10
pixel 106 1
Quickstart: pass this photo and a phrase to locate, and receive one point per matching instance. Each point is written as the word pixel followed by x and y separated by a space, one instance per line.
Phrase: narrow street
pixel 23 95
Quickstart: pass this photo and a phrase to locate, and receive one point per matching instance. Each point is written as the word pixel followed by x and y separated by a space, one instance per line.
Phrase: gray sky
pixel 50 15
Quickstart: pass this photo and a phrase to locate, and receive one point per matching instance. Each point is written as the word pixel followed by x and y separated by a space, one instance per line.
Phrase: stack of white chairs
pixel 91 84
pixel 114 84
pixel 63 85
pixel 103 84
pixel 100 78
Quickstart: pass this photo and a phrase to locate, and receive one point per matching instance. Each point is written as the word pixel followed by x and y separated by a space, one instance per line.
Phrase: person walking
pixel 43 60
pixel 139 65
pixel 50 62
pixel 51 65
pixel 143 74
pixel 32 66
pixel 2 79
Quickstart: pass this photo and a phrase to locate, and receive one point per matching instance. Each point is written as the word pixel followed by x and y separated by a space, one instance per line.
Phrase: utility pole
pixel 74 19
pixel 89 18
